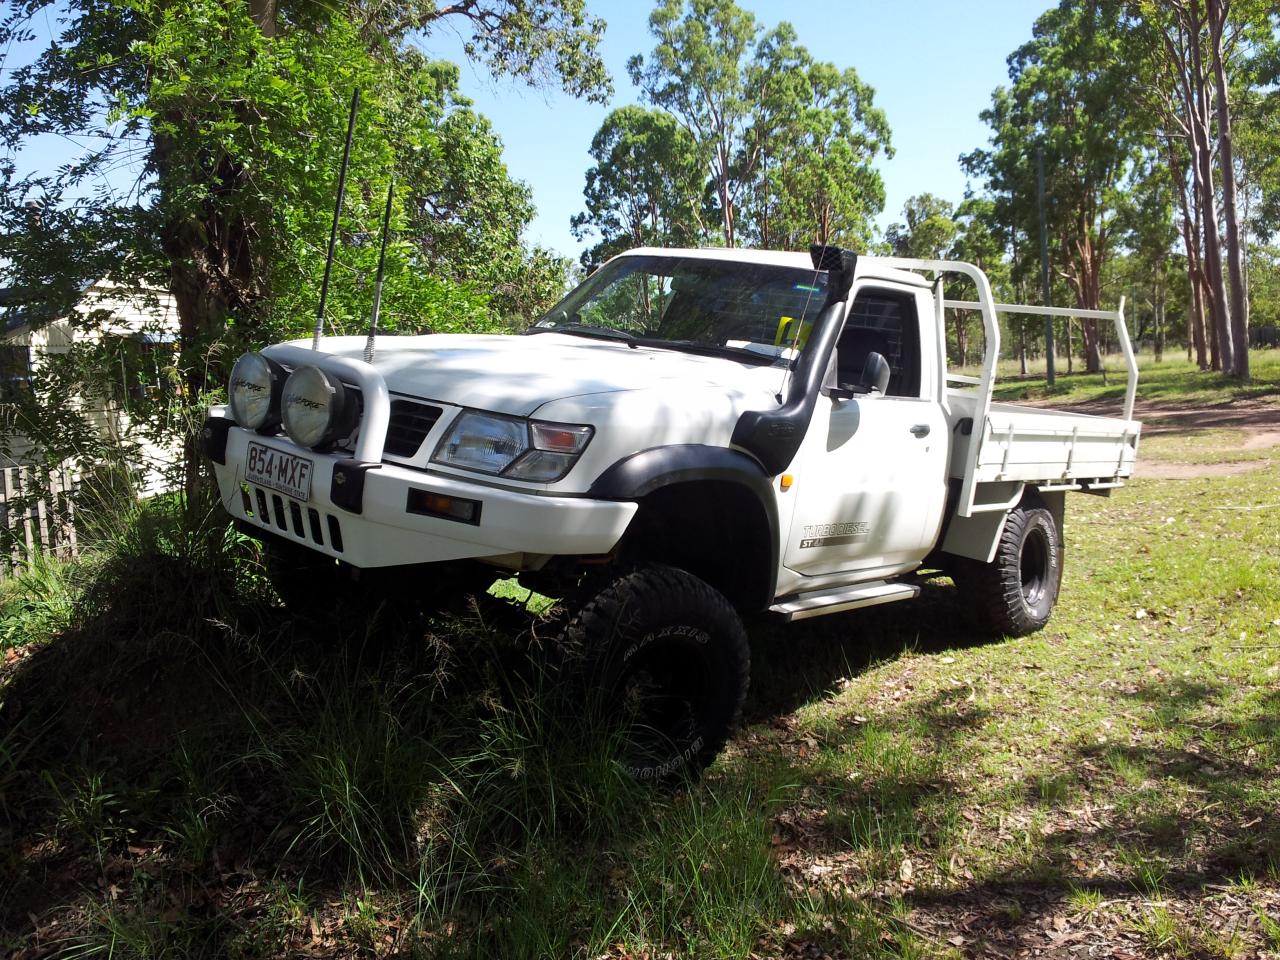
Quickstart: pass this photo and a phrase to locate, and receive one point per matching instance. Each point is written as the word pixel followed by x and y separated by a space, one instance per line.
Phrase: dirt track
pixel 1258 418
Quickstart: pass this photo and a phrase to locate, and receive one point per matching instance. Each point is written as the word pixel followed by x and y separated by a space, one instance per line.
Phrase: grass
pixel 1174 380
pixel 187 772
pixel 1207 446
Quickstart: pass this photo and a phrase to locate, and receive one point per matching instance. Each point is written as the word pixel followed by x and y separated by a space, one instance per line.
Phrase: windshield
pixel 758 313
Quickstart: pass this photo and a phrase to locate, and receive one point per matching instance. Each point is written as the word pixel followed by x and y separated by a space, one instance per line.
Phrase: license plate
pixel 269 467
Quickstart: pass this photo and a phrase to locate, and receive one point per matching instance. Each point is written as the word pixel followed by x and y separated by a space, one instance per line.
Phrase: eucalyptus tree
pixel 645 188
pixel 696 73
pixel 777 77
pixel 826 186
pixel 1174 75
pixel 1193 59
pixel 788 143
pixel 929 231
pixel 1068 99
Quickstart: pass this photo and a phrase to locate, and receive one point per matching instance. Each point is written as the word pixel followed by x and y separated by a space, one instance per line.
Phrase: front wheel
pixel 1015 592
pixel 664 658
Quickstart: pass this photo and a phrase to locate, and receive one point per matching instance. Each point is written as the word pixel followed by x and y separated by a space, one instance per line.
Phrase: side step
pixel 817 602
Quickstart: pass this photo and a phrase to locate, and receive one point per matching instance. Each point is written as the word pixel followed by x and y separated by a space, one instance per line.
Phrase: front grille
pixel 409 426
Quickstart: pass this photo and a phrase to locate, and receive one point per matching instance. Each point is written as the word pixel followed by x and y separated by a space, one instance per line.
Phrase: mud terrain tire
pixel 664 657
pixel 1015 592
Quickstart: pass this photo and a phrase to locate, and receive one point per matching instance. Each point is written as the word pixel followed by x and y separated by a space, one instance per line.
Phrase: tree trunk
pixel 1158 310
pixel 726 199
pixel 1235 262
pixel 215 272
pixel 1191 241
pixel 263 13
pixel 1088 290
pixel 1209 209
pixel 1022 346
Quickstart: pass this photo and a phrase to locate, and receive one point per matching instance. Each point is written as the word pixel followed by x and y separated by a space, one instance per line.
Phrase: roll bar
pixel 990 310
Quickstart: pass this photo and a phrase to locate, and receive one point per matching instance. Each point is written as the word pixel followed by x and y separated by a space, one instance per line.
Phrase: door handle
pixel 920 430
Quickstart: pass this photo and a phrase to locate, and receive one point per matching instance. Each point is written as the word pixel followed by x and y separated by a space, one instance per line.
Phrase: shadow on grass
pixel 1148 819
pixel 156 765
pixel 796 663
pixel 158 753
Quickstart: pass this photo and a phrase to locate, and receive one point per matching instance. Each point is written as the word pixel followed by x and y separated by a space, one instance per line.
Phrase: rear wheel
pixel 663 658
pixel 1015 593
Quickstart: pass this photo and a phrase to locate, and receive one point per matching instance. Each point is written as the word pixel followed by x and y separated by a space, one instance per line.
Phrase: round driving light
pixel 253 392
pixel 317 409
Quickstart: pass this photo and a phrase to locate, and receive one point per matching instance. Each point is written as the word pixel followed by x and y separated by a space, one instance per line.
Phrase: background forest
pixel 211 133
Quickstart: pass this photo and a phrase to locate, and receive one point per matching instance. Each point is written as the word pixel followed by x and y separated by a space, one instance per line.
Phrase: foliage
pixel 38 604
pixel 696 73
pixel 929 231
pixel 786 143
pixel 645 188
pixel 229 119
pixel 808 154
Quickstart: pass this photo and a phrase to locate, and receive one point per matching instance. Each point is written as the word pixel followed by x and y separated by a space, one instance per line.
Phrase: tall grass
pixel 335 756
pixel 39 602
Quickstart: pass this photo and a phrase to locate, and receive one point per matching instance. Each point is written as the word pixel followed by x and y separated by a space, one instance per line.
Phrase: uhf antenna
pixel 337 211
pixel 377 284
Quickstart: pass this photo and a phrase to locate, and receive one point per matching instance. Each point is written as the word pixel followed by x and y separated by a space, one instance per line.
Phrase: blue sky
pixel 933 64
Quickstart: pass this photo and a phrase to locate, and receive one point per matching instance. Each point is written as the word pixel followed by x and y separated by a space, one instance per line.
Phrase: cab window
pixel 886 323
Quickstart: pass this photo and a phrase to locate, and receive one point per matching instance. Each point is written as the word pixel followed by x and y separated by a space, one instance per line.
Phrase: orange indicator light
pixel 787 480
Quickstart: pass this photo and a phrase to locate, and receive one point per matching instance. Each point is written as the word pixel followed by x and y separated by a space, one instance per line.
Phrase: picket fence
pixel 37 515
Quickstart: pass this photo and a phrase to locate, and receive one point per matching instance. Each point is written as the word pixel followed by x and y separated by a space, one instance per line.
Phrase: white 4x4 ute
pixel 696 434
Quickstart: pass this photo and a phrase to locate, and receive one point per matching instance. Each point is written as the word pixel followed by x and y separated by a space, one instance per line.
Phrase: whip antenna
pixel 377 284
pixel 337 211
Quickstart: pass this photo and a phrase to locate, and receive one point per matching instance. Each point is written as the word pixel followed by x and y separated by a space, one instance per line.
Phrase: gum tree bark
pixel 1217 14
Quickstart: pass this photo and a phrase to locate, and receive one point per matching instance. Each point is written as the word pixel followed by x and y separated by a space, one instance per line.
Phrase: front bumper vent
pixel 268 508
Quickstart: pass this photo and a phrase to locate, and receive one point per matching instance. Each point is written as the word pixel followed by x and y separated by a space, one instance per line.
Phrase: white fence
pixel 36 515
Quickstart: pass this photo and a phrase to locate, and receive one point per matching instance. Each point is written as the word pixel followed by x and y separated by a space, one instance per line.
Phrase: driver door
pixel 870 477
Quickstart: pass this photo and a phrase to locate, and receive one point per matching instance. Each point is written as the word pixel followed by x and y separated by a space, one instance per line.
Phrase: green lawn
pixel 187 775
pixel 1173 381
pixel 1210 445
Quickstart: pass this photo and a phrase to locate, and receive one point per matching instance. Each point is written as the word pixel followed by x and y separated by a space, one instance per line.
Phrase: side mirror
pixel 875 373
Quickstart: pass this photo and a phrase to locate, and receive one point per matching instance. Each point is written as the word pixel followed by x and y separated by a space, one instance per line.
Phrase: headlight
pixel 317 408
pixel 254 392
pixel 511 447
pixel 484 442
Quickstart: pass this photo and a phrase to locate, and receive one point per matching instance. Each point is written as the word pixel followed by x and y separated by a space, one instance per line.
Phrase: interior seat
pixel 852 348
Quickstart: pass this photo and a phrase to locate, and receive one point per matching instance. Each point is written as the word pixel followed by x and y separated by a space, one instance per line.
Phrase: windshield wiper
pixel 710 350
pixel 585 330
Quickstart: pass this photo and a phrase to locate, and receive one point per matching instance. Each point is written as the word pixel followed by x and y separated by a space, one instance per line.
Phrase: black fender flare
pixel 632 477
